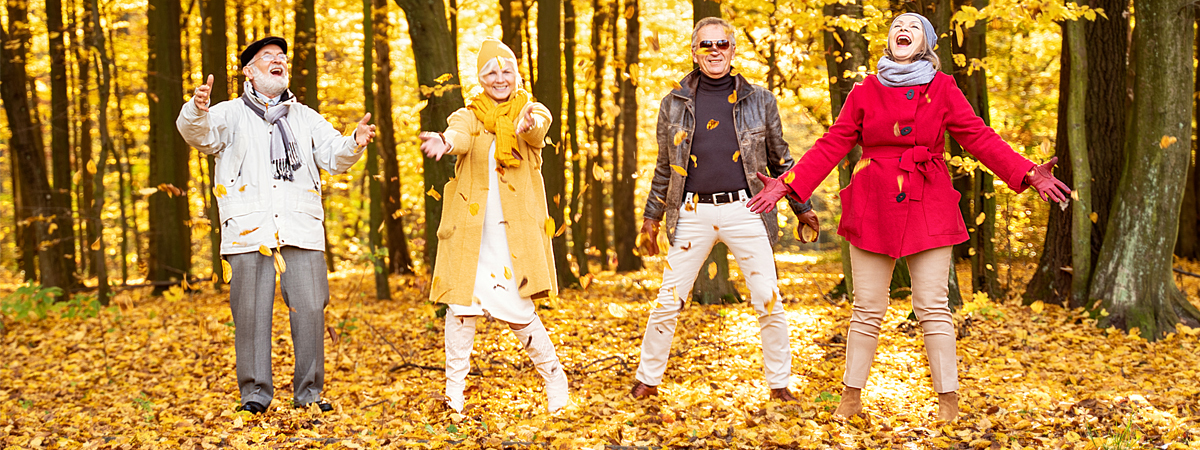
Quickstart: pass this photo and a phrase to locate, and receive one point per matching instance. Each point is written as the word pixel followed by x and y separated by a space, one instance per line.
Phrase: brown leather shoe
pixel 642 390
pixel 783 395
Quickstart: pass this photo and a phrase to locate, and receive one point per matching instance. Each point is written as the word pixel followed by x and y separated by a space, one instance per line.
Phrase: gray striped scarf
pixel 284 154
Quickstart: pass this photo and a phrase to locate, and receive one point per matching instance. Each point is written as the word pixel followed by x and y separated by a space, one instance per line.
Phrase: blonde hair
pixel 929 53
pixel 729 34
pixel 494 64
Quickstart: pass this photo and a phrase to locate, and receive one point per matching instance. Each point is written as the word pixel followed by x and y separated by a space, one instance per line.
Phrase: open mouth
pixel 903 40
pixel 277 71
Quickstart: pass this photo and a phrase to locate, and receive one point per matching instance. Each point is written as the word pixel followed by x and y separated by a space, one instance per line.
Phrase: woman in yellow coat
pixel 494 255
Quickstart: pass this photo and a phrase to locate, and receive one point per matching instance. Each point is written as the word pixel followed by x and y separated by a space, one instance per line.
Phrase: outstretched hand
pixel 433 144
pixel 773 190
pixel 1049 188
pixel 365 131
pixel 202 94
pixel 526 122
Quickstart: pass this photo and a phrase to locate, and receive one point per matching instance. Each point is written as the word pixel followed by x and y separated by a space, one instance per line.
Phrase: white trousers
pixel 696 233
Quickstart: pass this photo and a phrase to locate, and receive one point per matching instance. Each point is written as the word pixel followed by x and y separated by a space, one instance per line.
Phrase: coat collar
pixel 689 83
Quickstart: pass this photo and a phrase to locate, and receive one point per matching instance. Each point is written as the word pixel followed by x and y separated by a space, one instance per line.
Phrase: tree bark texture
pixel 83 139
pixel 399 258
pixel 433 56
pixel 1133 280
pixel 1081 225
pixel 214 61
pixel 30 158
pixel 104 86
pixel 548 91
pixel 170 252
pixel 625 227
pixel 374 183
pixel 1106 41
pixel 598 222
pixel 60 127
pixel 578 160
pixel 304 55
pixel 1187 245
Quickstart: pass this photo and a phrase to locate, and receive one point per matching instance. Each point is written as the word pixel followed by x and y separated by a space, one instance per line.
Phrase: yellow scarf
pixel 500 120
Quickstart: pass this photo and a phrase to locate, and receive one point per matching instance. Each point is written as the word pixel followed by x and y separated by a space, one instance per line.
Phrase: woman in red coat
pixel 901 202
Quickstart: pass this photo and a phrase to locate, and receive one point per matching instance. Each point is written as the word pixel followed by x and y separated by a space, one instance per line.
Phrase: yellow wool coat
pixel 464 201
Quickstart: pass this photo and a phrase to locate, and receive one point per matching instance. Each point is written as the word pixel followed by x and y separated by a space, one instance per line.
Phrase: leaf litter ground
pixel 158 372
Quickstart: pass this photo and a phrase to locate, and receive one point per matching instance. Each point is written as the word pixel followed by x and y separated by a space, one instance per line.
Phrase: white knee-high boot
pixel 537 342
pixel 460 339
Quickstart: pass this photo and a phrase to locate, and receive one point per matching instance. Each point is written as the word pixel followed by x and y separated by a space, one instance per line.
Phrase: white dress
pixel 495 282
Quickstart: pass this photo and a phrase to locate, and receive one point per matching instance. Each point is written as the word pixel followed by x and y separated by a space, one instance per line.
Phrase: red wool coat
pixel 901 200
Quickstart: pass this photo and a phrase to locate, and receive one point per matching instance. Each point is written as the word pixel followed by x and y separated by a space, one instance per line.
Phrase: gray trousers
pixel 305 288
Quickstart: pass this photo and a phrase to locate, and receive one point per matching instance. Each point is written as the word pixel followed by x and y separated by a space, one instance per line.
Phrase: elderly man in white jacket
pixel 268 148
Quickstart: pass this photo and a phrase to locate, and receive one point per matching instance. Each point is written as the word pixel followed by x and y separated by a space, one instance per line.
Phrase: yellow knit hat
pixel 492 48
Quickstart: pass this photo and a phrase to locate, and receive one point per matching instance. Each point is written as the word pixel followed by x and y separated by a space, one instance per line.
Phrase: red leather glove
pixel 1050 188
pixel 773 190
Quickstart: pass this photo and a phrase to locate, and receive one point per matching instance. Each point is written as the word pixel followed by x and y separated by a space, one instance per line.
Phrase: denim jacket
pixel 760 141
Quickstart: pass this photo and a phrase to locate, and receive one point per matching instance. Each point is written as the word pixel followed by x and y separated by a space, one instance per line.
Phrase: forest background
pixel 106 211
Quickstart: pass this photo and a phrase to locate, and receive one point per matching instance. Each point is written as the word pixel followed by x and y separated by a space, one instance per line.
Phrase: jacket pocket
pixel 941 211
pixel 852 209
pixel 446 227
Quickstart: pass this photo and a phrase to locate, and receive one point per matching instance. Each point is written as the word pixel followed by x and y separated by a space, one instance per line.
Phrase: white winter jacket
pixel 255 208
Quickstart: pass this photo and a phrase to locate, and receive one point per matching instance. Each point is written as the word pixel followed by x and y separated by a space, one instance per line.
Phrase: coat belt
pixel 920 163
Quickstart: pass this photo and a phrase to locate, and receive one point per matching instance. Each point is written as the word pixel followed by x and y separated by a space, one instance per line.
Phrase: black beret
pixel 254 47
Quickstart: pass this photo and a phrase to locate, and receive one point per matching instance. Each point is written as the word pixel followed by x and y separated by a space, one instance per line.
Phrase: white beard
pixel 269 85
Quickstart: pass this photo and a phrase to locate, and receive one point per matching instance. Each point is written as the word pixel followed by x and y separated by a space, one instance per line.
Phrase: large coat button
pixel 910 94
pixel 900 198
pixel 904 131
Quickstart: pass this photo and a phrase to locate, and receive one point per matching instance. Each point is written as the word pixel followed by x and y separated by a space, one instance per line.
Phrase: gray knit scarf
pixel 893 74
pixel 284 154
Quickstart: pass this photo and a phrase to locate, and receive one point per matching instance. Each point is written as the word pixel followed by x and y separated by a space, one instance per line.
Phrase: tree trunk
pixel 399 259
pixel 548 91
pixel 29 158
pixel 1187 245
pixel 1133 280
pixel 170 252
pixel 375 222
pixel 1081 226
pixel 624 223
pixel 83 141
pixel 433 56
pixel 1107 98
pixel 598 221
pixel 512 24
pixel 104 82
pixel 60 129
pixel 716 289
pixel 304 55
pixel 578 220
pixel 214 57
pixel 239 11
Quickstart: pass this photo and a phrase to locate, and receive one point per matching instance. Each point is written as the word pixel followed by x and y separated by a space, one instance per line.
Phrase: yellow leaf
pixel 280 264
pixel 91 167
pixel 264 250
pixel 242 189
pixel 226 270
pixel 789 178
pixel 679 135
pixel 507 273
pixel 50 229
pixel 971 251
pixel 679 170
pixel 434 193
pixel 712 270
pixel 630 10
pixel 1094 217
pixel 733 72
pixel 219 190
pixel 733 97
pixel 397 214
pixel 1167 141
pixel 598 172
pixel 712 123
pixel 980 218
pixel 585 281
pixel 617 311
pixel 474 208
pixel 693 160
pixel 896 129
pixel 771 304
pixel 443 78
pixel 550 226
pixel 1037 307
pixel 676 85
pixel 809 234
pixel 249 231
pixel 95 245
pixel 736 155
pixel 900 182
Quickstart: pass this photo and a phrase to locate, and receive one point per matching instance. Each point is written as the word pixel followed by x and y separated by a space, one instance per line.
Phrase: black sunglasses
pixel 722 44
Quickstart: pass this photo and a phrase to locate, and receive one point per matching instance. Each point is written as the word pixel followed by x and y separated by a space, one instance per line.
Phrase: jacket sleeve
pixel 333 151
pixel 779 157
pixel 541 124
pixel 983 142
pixel 656 202
pixel 830 149
pixel 458 131
pixel 204 130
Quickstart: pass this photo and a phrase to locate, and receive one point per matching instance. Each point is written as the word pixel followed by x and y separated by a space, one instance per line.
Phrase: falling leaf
pixel 712 123
pixel 434 193
pixel 586 280
pixel 396 214
pixel 971 251
pixel 679 135
pixel 617 311
pixel 243 233
pixel 771 304
pixel 733 97
pixel 1037 307
pixel 226 270
pixel 507 273
pixel 652 40
pixel 789 177
pixel 693 157
pixel 1094 217
pixel 95 245
pixel 736 155
pixel 50 229
pixel 550 226
pixel 91 167
pixel 679 170
pixel 630 10
pixel 896 129
pixel 473 208
pixel 264 250
pixel 1167 141
pixel 712 270
pixel 242 189
pixel 443 78
pixel 900 182
pixel 280 264
pixel 561 229
pixel 980 218
pixel 219 190
pixel 597 172
pixel 676 85
pixel 558 200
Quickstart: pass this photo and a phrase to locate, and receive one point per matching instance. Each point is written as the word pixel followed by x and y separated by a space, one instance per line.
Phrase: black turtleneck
pixel 714 169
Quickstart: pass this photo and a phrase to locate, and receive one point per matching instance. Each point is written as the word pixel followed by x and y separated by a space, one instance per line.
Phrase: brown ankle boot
pixel 947 406
pixel 643 390
pixel 851 402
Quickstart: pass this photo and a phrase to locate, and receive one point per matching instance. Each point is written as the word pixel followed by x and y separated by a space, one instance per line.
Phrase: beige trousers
pixel 930 270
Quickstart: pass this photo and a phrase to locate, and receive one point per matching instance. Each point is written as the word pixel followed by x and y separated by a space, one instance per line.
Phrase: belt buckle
pixel 722 198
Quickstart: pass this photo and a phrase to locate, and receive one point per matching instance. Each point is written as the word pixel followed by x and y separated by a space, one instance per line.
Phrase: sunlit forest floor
pixel 158 372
